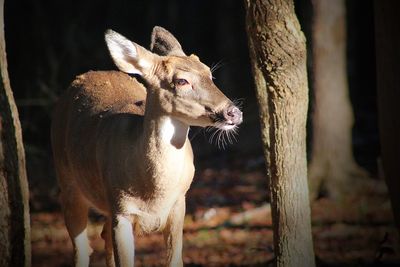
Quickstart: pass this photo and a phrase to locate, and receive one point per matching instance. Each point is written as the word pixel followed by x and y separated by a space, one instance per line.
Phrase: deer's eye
pixel 181 82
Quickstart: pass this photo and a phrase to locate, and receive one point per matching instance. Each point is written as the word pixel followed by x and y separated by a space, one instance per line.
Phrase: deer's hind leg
pixel 75 209
pixel 106 234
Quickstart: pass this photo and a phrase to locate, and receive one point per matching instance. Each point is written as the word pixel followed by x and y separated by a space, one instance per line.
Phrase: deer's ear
pixel 163 43
pixel 128 56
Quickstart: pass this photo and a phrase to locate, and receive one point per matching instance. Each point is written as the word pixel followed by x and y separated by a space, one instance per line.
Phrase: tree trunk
pixel 262 99
pixel 14 208
pixel 387 40
pixel 279 47
pixel 332 164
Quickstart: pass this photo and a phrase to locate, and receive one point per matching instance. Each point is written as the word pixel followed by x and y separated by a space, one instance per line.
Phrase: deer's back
pixel 107 91
pixel 92 99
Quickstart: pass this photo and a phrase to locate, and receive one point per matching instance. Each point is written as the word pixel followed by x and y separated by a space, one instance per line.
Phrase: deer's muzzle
pixel 233 115
pixel 228 118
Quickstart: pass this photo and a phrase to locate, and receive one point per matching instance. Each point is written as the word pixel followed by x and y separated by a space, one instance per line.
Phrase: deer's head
pixel 181 86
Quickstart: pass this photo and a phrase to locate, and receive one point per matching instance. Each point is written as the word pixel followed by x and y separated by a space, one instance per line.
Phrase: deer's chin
pixel 225 126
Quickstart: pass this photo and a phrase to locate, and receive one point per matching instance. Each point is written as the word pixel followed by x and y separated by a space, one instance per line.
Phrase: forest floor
pixel 228 223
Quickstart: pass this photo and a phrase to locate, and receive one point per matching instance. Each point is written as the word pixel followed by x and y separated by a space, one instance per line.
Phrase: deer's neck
pixel 163 134
pixel 164 142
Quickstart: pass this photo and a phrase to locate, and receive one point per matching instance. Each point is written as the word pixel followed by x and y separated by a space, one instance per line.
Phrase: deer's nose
pixel 233 115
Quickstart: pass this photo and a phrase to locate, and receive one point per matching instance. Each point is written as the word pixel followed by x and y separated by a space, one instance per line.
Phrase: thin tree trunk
pixel 332 164
pixel 387 39
pixel 280 50
pixel 14 208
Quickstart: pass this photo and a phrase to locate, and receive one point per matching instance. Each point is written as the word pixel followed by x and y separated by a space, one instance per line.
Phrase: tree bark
pixel 387 40
pixel 262 99
pixel 332 165
pixel 279 47
pixel 14 207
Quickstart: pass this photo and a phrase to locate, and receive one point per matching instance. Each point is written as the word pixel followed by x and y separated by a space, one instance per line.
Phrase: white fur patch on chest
pixel 168 130
pixel 174 132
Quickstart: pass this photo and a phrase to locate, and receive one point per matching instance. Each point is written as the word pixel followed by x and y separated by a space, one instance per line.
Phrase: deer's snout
pixel 233 115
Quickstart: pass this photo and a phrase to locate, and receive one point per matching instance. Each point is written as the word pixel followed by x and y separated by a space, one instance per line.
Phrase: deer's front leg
pixel 173 233
pixel 123 241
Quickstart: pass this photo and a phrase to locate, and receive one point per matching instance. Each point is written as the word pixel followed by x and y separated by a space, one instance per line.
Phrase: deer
pixel 120 144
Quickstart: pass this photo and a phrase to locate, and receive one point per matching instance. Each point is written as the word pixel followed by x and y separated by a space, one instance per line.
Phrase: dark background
pixel 48 43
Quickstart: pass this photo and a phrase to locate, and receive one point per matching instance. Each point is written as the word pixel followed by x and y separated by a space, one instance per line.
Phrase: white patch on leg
pixel 83 249
pixel 124 241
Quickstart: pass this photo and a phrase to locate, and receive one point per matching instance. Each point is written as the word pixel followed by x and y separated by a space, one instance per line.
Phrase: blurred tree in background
pixel 332 167
pixel 387 30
